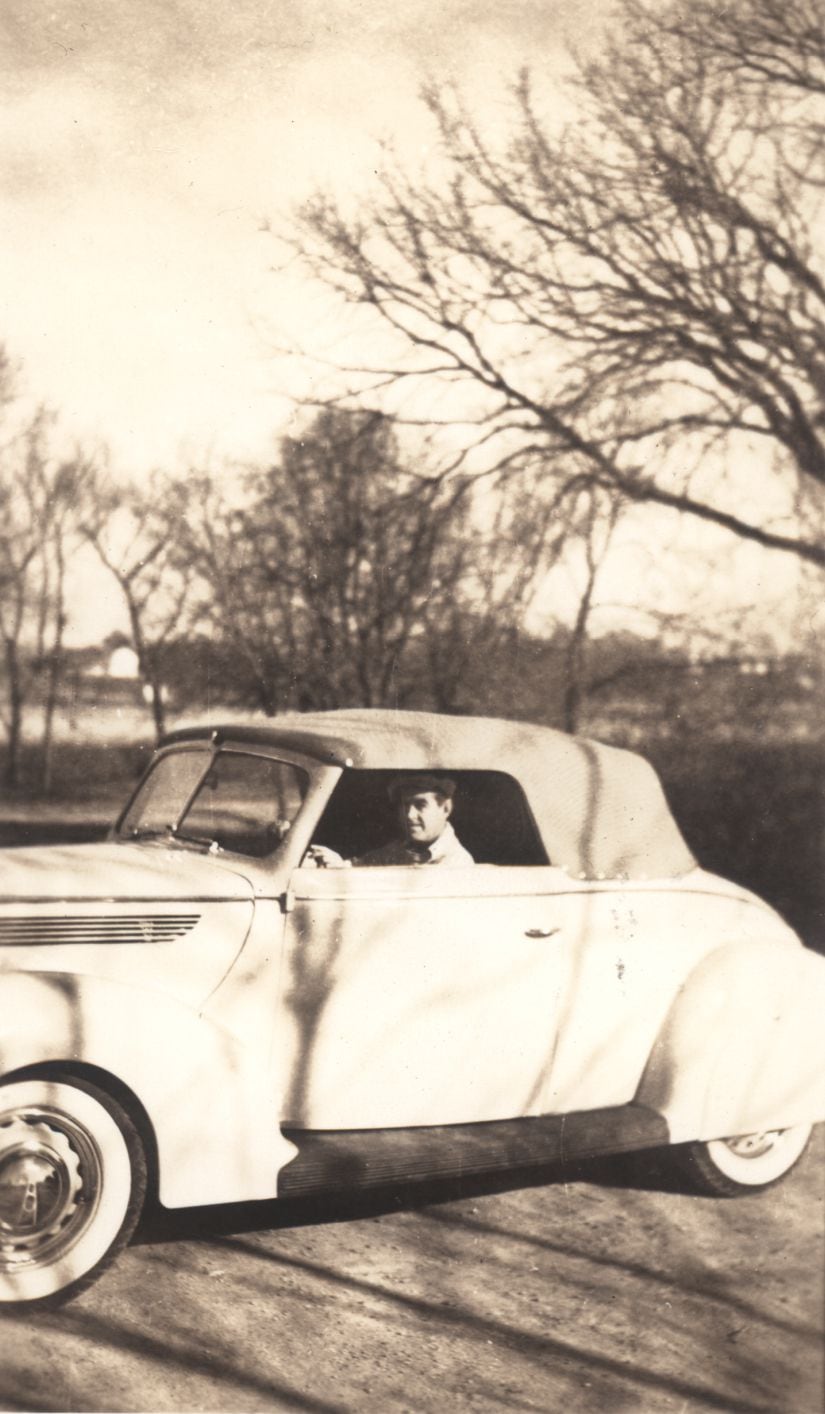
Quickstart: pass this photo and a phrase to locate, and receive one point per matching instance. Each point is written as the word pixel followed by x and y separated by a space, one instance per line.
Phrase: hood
pixel 110 870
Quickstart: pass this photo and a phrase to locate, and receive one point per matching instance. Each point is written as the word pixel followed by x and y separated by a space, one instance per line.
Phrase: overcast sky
pixel 143 142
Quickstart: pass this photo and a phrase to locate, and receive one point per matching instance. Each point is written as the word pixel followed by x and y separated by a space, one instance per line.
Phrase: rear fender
pixel 743 1046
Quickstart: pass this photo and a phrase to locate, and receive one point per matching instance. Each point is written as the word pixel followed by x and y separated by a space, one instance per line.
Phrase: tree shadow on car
pixel 646 1170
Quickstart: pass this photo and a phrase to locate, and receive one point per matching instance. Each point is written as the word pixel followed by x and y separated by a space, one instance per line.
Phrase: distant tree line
pixel 339 575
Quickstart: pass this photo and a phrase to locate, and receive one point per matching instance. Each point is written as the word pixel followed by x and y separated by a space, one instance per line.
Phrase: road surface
pixel 606 1289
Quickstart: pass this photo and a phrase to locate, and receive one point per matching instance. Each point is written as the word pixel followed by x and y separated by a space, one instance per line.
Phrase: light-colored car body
pixel 238 1004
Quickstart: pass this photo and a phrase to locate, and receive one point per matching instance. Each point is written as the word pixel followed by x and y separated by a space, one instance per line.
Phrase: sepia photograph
pixel 413 454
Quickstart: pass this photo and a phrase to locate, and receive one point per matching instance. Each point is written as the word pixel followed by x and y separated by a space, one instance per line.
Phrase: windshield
pixel 229 800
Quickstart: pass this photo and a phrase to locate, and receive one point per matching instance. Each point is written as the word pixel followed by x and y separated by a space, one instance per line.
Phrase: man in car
pixel 425 804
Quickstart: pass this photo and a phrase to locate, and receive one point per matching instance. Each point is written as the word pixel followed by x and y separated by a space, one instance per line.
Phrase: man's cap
pixel 419 783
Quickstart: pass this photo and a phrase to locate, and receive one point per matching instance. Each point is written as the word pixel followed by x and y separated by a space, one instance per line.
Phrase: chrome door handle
pixel 540 932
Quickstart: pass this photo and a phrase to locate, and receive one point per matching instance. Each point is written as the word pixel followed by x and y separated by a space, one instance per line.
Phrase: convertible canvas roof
pixel 601 811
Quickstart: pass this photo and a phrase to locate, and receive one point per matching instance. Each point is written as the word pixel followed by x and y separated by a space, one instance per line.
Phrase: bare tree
pixel 234 622
pixel 500 556
pixel 636 302
pixel 64 493
pixel 137 533
pixel 321 572
pixel 41 495
pixel 599 525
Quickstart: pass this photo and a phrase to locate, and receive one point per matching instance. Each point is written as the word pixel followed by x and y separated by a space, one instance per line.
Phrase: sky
pixel 146 145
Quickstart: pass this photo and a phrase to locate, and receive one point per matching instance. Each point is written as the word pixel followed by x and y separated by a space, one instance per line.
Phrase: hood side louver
pixel 96 928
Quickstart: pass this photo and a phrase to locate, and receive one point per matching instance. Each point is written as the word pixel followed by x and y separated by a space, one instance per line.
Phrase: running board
pixel 342 1160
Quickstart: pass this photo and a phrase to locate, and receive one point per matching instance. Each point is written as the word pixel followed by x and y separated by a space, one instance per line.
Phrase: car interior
pixel 490 816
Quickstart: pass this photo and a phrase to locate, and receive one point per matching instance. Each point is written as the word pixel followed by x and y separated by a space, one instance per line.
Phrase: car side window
pixel 491 816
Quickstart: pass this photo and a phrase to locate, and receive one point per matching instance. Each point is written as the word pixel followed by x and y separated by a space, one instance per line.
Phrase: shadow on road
pixel 648 1171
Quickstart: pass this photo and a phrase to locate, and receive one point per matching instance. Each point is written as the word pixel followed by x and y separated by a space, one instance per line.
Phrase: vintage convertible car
pixel 189 1008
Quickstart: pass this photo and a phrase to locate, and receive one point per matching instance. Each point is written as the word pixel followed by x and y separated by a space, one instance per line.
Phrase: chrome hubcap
pixel 752 1146
pixel 49 1185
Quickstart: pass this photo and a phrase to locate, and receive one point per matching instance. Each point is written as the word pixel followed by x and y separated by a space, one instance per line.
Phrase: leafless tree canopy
pixel 341 575
pixel 635 302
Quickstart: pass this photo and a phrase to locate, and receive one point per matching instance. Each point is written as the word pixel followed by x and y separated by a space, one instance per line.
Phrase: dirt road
pixel 602 1291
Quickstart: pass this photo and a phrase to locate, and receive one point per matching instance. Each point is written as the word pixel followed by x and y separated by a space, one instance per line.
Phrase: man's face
pixel 423 816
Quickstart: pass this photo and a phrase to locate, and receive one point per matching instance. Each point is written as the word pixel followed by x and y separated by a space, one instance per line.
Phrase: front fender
pixel 212 1102
pixel 743 1046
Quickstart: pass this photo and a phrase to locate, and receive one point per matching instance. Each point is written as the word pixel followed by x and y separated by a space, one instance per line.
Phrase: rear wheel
pixel 745 1164
pixel 72 1184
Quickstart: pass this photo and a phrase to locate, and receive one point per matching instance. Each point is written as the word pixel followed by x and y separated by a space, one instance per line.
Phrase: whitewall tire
pixel 729 1167
pixel 72 1184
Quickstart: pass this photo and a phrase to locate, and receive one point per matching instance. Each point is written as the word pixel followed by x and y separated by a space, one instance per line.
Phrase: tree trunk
pixel 15 722
pixel 575 664
pixel 148 676
pixel 158 709
pixel 53 680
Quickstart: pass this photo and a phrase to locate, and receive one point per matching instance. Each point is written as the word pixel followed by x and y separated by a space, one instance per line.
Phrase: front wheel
pixel 727 1168
pixel 72 1184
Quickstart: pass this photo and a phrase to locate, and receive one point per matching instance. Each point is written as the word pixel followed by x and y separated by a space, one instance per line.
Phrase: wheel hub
pixel 42 1198
pixel 752 1146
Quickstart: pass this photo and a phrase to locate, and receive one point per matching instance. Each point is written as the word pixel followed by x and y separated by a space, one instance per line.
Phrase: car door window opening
pixel 491 816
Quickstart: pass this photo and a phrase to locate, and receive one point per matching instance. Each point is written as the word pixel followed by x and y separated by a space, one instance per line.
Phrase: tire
pixel 72 1185
pixel 727 1168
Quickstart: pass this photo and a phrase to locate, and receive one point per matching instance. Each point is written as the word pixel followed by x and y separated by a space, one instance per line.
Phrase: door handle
pixel 540 932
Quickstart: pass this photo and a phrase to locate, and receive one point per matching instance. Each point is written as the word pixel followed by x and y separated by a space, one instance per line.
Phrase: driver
pixel 424 803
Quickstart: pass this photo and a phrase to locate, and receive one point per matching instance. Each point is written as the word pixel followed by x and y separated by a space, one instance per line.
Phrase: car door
pixel 423 996
pixel 418 996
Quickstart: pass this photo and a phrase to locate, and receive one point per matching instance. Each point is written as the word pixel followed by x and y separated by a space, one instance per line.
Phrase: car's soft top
pixel 601 811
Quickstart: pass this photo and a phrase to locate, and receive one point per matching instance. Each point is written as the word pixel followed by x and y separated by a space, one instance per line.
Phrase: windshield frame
pixel 207 750
pixel 173 831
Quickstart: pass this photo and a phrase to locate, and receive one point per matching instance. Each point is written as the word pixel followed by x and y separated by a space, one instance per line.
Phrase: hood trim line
pixel 163 900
